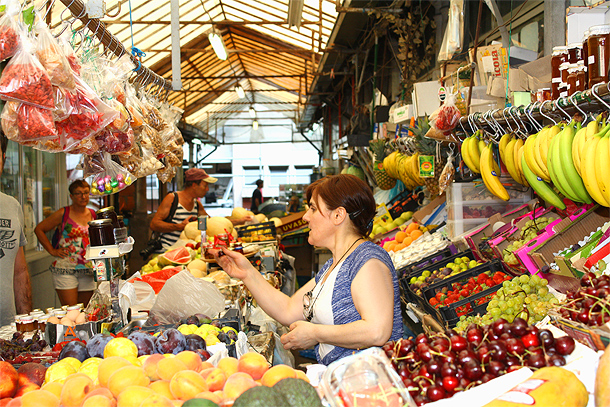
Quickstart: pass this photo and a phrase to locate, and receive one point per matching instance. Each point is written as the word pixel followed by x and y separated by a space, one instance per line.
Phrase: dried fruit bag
pixel 141 162
pixel 70 55
pixel 52 57
pixel 27 124
pixel 446 117
pixel 9 37
pixel 113 179
pixel 25 80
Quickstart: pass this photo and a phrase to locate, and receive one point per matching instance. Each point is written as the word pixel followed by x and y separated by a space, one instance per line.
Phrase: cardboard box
pixel 571 232
pixel 531 76
pixel 420 215
pixel 292 222
pixel 492 60
pixel 597 338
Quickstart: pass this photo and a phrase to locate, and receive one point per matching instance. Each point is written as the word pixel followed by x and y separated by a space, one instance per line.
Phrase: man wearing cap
pixel 196 185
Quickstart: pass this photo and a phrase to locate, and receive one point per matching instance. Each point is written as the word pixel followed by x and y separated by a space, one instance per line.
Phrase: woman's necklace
pixel 309 308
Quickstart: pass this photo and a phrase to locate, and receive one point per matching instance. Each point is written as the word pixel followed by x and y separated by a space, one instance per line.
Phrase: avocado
pixel 199 403
pixel 261 396
pixel 298 392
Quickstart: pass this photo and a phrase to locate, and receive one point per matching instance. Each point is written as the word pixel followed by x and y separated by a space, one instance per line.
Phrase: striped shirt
pixel 170 238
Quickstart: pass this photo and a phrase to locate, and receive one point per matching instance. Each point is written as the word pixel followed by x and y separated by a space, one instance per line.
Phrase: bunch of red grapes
pixel 591 303
pixel 437 366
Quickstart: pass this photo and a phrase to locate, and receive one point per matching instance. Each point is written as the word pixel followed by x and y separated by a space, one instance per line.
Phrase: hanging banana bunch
pixel 490 172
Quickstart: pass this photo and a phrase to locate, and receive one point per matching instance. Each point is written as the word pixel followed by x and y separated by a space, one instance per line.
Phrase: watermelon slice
pixel 178 256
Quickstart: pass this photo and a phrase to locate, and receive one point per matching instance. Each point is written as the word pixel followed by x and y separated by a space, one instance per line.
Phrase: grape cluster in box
pixel 478 294
pixel 420 279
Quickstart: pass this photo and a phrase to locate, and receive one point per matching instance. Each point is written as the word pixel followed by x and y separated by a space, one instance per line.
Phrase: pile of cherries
pixel 590 304
pixel 437 366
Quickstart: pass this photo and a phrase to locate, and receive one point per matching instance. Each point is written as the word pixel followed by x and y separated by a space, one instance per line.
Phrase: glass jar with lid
pixel 574 52
pixel 598 53
pixel 585 56
pixel 108 213
pixel 101 232
pixel 571 80
pixel 581 76
pixel 560 56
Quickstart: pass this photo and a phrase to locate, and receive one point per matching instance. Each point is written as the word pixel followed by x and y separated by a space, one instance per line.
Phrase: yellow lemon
pixel 184 329
pixel 72 361
pixel 122 347
pixel 90 369
pixel 133 360
pixel 211 339
pixel 58 372
pixel 91 360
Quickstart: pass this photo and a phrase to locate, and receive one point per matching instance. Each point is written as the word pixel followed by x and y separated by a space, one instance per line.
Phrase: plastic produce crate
pixel 438 256
pixel 411 296
pixel 258 232
pixel 450 315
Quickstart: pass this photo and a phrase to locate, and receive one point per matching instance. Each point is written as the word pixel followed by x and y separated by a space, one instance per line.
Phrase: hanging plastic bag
pixel 63 109
pixel 9 33
pixel 113 179
pixel 27 123
pixel 142 164
pixel 52 58
pixel 70 55
pixel 153 117
pixel 166 174
pixel 454 34
pixel 91 164
pixel 447 175
pixel 149 138
pixel 25 80
pixel 134 106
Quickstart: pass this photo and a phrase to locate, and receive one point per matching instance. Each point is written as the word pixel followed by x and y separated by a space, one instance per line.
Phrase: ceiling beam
pixel 203 22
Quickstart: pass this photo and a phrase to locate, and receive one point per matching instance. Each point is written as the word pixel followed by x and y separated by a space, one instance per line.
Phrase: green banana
pixel 555 171
pixel 569 169
pixel 543 189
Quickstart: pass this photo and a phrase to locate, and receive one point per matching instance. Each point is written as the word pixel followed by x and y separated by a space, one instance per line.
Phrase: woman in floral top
pixel 72 274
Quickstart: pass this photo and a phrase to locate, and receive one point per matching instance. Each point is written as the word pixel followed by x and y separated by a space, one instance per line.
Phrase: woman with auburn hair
pixel 353 302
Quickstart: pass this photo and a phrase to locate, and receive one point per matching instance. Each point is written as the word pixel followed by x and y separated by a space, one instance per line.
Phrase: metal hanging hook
pixel 541 110
pixel 556 103
pixel 518 131
pixel 506 120
pixel 585 116
pixel 596 95
pixel 528 114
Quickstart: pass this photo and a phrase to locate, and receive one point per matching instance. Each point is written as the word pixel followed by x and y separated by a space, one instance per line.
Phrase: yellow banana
pixel 537 155
pixel 589 176
pixel 502 146
pixel 516 158
pixel 519 161
pixel 509 162
pixel 467 156
pixel 575 150
pixel 544 143
pixel 475 154
pixel 491 177
pixel 602 166
pixel 528 150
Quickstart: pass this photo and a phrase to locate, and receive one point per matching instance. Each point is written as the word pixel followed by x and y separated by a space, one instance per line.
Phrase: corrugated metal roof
pixel 273 63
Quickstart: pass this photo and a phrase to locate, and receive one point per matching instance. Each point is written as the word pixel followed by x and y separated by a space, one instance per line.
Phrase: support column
pixel 554 24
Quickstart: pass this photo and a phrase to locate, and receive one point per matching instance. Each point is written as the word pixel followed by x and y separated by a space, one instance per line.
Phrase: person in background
pixel 196 185
pixel 353 302
pixel 72 273
pixel 16 287
pixel 257 196
pixel 294 204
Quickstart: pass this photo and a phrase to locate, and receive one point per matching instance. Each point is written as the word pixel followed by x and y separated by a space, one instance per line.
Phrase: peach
pixel 150 366
pixel 25 388
pixel 157 400
pixel 31 373
pixel 4 402
pixel 100 391
pixel 75 390
pixel 228 365
pixel 301 375
pixel 108 366
pixel 161 387
pixel 53 387
pixel 216 396
pixel 216 379
pixel 190 359
pixel 36 398
pixel 99 401
pixel 236 384
pixel 133 396
pixel 205 365
pixel 206 372
pixel 168 367
pixel 254 364
pixel 9 379
pixel 125 377
pixel 277 373
pixel 186 384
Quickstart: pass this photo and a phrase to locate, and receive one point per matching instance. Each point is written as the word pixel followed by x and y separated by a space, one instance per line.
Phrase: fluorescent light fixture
pixel 255 125
pixel 240 92
pixel 196 141
pixel 252 112
pixel 295 13
pixel 218 45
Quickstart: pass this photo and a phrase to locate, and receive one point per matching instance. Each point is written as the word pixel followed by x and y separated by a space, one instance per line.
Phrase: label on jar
pixel 556 80
pixel 591 59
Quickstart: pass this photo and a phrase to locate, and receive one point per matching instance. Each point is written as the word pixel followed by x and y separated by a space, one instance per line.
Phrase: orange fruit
pixel 412 226
pixel 415 234
pixel 400 236
pixel 399 247
pixel 407 241
pixel 391 246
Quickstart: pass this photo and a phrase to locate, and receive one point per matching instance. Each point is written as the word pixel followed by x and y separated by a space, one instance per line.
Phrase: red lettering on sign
pixel 69 332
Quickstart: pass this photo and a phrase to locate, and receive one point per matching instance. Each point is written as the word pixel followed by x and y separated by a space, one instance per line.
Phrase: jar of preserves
pixel 101 232
pixel 574 52
pixel 121 220
pixel 27 323
pixel 560 56
pixel 581 76
pixel 598 53
pixel 584 54
pixel 571 80
pixel 108 213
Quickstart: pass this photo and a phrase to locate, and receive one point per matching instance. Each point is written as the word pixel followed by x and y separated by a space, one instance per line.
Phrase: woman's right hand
pixel 61 253
pixel 233 263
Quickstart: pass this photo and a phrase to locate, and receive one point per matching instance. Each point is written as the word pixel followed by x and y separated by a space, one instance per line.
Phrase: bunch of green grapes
pixel 525 296
pixel 528 232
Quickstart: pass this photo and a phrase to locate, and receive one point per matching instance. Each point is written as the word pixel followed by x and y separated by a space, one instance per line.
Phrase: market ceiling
pixel 277 65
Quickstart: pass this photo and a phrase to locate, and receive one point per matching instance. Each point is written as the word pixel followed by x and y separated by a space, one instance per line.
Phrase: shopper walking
pixel 257 196
pixel 15 288
pixel 353 302
pixel 72 273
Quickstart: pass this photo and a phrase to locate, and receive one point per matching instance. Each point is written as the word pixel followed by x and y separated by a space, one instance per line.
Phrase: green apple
pixel 426 273
pixel 465 259
pixel 451 265
pixel 406 215
pixel 473 263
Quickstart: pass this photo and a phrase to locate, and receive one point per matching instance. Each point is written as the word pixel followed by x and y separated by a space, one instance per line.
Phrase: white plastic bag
pixel 454 34
pixel 184 295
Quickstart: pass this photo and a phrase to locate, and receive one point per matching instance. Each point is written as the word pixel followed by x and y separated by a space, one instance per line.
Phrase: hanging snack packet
pixel 52 57
pixel 446 117
pixel 91 164
pixel 25 80
pixel 153 117
pixel 62 107
pixel 115 141
pixel 166 174
pixel 141 162
pixel 27 124
pixel 447 174
pixel 113 179
pixel 150 138
pixel 9 37
pixel 70 55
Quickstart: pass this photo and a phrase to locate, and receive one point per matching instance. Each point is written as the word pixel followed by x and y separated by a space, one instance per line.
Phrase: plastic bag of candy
pixel 150 138
pixel 25 80
pixel 52 58
pixel 115 141
pixel 25 123
pixel 9 32
pixel 142 163
pixel 113 179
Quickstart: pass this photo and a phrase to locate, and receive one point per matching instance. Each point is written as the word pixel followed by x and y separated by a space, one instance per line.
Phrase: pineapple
pixel 383 180
pixel 427 146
